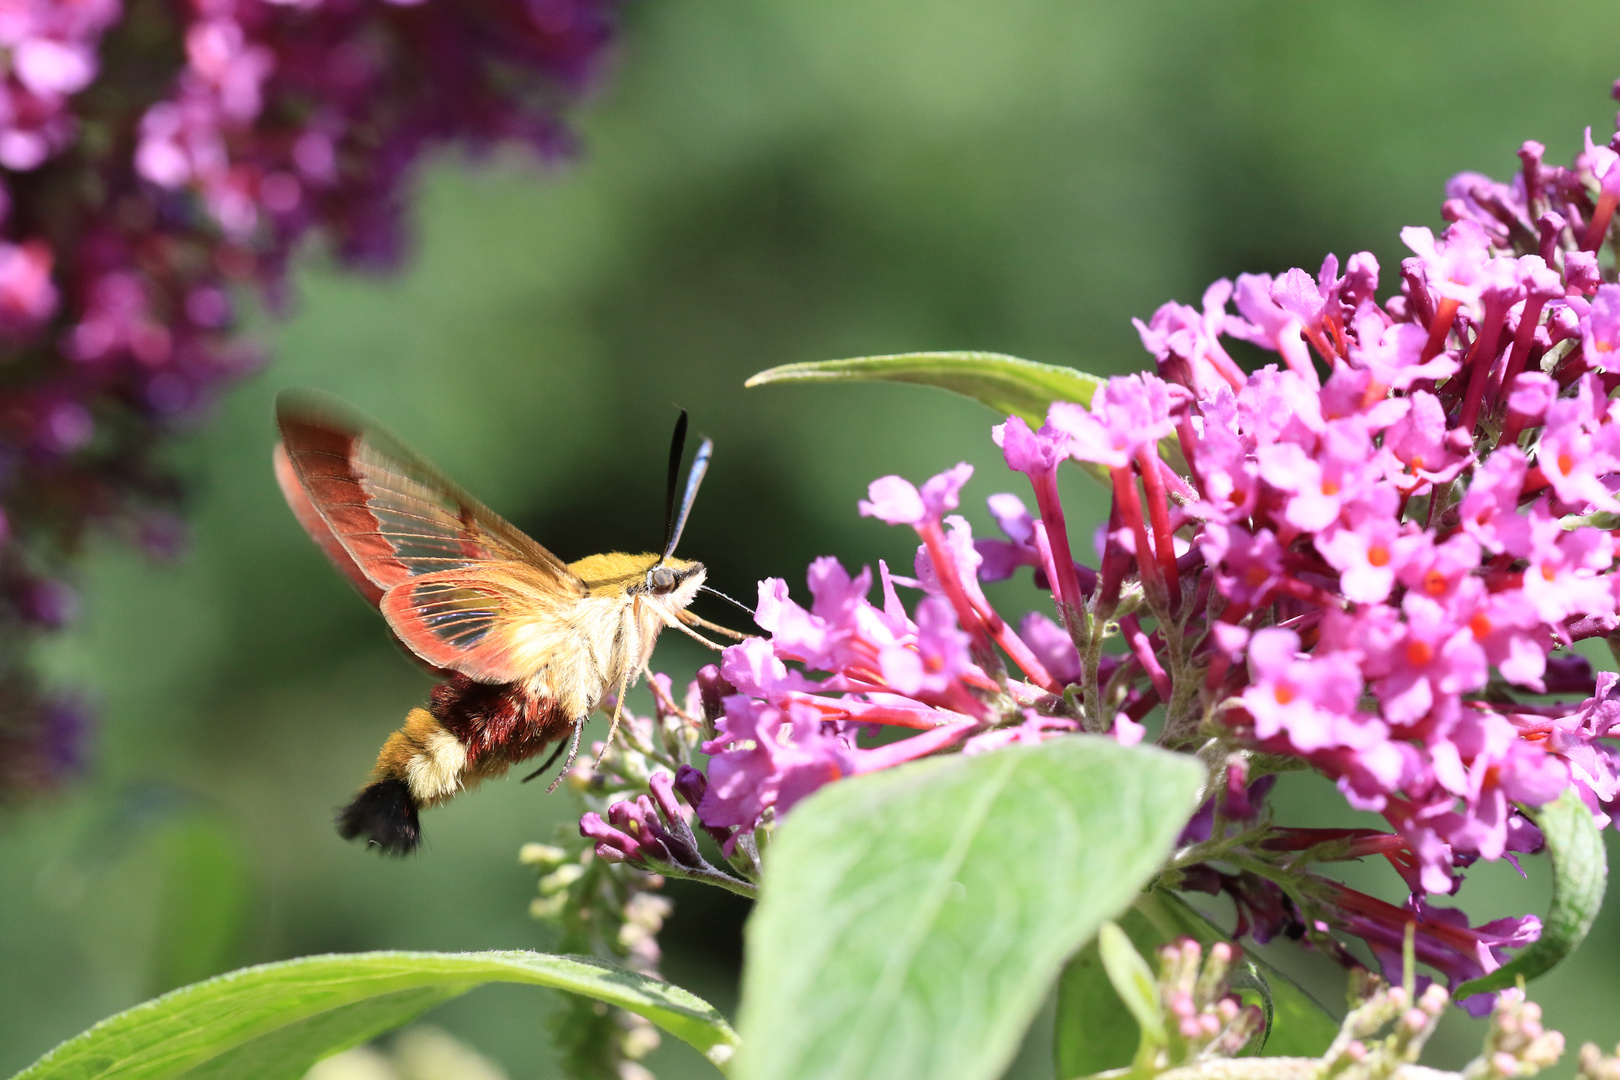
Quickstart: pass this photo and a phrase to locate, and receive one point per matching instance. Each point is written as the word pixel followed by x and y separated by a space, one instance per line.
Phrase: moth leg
pixel 618 706
pixel 689 632
pixel 694 620
pixel 573 748
pixel 550 761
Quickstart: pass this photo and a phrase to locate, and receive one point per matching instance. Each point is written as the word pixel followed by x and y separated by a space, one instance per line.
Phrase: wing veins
pixel 330 445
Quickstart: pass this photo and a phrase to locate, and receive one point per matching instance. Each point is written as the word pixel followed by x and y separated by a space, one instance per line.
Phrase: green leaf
pixel 1580 875
pixel 1094 1031
pixel 911 921
pixel 288 1052
pixel 273 1021
pixel 1007 384
pixel 1010 386
pixel 1132 980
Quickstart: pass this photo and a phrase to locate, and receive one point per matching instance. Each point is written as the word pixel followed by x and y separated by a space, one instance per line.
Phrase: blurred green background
pixel 763 181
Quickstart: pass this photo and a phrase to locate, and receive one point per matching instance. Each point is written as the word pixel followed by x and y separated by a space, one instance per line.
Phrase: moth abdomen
pixel 385 814
pixel 498 723
pixel 470 731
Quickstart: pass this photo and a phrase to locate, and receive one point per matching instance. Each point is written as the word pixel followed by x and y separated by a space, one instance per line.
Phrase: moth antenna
pixel 573 748
pixel 694 478
pixel 618 706
pixel 740 607
pixel 677 450
pixel 550 761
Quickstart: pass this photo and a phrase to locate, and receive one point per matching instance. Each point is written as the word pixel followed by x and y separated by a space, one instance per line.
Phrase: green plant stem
pixel 711 876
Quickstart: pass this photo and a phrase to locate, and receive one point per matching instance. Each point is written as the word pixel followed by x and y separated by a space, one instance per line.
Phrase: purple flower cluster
pixel 1370 558
pixel 158 157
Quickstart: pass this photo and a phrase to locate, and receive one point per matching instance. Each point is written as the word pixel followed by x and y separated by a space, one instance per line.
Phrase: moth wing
pixel 315 525
pixel 319 531
pixel 394 514
pixel 495 623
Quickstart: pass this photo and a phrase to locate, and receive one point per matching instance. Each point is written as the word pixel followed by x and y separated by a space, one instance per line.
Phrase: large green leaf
pixel 1095 1031
pixel 273 1021
pixel 912 921
pixel 1580 876
pixel 1010 386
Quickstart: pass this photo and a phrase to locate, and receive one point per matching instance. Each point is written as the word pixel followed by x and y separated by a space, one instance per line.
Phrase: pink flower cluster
pixel 1370 556
pixel 157 157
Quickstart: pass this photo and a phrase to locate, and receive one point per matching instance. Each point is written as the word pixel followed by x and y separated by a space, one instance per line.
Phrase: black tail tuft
pixel 384 813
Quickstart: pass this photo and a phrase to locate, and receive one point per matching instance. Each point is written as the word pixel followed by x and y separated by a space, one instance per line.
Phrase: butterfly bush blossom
pixel 157 159
pixel 1370 557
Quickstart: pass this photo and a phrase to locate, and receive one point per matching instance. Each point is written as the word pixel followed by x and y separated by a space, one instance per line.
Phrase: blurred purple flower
pixel 225 133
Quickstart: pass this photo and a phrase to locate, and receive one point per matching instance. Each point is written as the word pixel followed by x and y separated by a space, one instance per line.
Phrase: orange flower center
pixel 1378 555
pixel 1283 693
pixel 1418 653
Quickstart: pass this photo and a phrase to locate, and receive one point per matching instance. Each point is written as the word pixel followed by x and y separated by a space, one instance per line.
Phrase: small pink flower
pixel 1436 570
pixel 1051 645
pixel 1299 698
pixel 1193 336
pixel 1002 557
pixel 936 660
pixel 1454 265
pixel 1601 333
pixel 899 502
pixel 1489 511
pixel 1367 557
pixel 767 756
pixel 1029 451
pixel 1418 443
pixel 1505 624
pixel 1319 489
pixel 1251 566
pixel 1126 414
pixel 1392 353
pixel 54 67
pixel 1486 764
pixel 1262 321
pixel 1561 578
pixel 1430 661
pixel 27 295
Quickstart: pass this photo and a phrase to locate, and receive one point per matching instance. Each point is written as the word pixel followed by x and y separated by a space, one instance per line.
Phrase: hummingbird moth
pixel 526 645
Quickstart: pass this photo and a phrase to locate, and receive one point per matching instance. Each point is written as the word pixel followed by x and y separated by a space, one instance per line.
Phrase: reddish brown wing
pixel 310 518
pixel 399 520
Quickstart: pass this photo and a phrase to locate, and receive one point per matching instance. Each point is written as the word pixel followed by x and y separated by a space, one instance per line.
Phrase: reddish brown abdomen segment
pixel 469 732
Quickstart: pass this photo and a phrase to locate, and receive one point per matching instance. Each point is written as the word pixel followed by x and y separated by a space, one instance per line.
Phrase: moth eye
pixel 662 579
